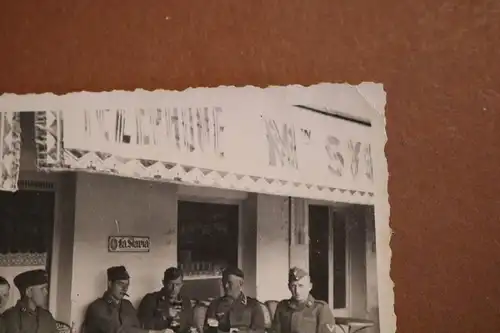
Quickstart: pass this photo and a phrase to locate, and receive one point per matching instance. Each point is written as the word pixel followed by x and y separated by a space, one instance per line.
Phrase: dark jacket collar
pixel 110 299
pixel 163 295
pixel 23 306
pixel 242 298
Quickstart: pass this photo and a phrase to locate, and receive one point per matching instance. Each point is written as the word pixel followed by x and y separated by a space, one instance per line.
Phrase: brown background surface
pixel 439 62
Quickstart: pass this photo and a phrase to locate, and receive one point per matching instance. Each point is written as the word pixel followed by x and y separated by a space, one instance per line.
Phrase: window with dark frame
pixel 207 237
pixel 26 221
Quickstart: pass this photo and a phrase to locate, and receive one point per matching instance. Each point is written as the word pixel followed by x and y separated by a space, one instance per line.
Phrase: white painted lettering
pixel 281 144
pixel 369 162
pixel 176 124
pixel 354 148
pixel 337 159
pixel 188 130
pixel 96 124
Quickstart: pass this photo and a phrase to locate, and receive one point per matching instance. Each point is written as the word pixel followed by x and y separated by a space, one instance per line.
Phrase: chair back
pixel 272 305
pixel 268 321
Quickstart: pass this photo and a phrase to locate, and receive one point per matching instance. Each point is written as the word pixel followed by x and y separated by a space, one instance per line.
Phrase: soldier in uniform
pixel 302 313
pixel 29 315
pixel 234 311
pixel 167 308
pixel 111 313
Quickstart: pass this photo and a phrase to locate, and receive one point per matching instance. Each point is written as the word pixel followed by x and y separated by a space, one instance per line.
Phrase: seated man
pixel 111 313
pixel 302 313
pixel 234 311
pixel 167 308
pixel 29 315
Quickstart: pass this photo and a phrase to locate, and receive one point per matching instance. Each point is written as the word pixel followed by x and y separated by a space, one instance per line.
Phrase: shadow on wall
pixel 100 281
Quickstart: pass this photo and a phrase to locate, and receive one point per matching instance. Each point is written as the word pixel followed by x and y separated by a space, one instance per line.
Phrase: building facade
pixel 194 225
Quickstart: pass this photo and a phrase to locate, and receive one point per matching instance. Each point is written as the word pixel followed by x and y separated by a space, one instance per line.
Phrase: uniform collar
pixel 164 296
pixel 242 298
pixel 23 306
pixel 110 299
pixel 308 303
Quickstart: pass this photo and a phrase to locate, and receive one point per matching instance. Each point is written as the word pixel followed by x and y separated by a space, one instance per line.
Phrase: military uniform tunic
pixel 105 315
pixel 243 313
pixel 153 313
pixel 313 316
pixel 21 319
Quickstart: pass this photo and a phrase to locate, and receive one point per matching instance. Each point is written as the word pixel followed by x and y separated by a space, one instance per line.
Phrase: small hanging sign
pixel 128 244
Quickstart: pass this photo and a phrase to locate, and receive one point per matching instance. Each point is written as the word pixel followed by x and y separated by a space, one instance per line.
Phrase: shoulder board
pixel 284 302
pixel 154 294
pixel 252 300
pixel 97 304
pixel 217 300
pixel 281 306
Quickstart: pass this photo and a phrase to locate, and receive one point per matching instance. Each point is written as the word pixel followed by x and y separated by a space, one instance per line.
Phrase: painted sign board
pixel 282 141
pixel 128 244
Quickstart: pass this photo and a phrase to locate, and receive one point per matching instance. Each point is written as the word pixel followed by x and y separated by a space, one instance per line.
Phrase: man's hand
pixel 212 322
pixel 172 312
pixel 167 330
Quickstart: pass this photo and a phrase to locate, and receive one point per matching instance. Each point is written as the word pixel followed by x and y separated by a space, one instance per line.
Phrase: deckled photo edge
pixel 372 94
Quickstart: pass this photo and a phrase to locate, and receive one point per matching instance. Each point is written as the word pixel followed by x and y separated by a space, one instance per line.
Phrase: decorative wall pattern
pixel 10 150
pixel 23 259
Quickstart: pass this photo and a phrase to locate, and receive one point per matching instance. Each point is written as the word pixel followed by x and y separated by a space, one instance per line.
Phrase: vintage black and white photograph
pixel 229 209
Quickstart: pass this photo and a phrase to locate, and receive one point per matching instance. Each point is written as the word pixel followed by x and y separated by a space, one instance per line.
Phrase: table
pixel 353 324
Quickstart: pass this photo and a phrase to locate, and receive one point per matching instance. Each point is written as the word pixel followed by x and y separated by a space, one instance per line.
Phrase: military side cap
pixel 31 278
pixel 233 271
pixel 116 273
pixel 172 273
pixel 295 274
